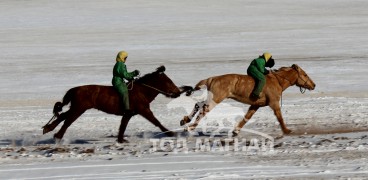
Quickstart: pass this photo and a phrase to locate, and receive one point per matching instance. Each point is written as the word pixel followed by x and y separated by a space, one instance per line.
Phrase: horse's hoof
pixel 184 121
pixel 121 141
pixel 235 133
pixel 188 129
pixel 170 134
pixel 57 140
pixel 45 130
pixel 287 131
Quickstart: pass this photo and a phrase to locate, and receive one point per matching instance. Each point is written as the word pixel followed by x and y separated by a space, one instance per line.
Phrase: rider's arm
pixel 123 73
pixel 260 64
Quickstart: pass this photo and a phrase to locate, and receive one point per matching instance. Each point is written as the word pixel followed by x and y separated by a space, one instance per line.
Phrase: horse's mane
pixel 147 76
pixel 281 69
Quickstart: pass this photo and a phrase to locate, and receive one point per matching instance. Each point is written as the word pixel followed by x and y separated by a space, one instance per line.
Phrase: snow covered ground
pixel 48 47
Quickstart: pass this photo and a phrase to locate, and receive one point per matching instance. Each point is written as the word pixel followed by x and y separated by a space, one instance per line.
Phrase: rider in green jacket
pixel 119 74
pixel 257 69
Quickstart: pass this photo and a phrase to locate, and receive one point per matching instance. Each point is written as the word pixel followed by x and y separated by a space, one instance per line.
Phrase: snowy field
pixel 47 47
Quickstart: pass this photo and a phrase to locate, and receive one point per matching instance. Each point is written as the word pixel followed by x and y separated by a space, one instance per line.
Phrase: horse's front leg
pixel 124 122
pixel 147 113
pixel 277 111
pixel 252 109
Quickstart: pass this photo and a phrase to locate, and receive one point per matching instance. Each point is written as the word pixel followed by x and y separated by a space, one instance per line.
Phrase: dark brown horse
pixel 239 87
pixel 105 98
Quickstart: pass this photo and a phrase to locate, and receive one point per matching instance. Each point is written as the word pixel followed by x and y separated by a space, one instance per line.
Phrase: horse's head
pixel 160 82
pixel 303 79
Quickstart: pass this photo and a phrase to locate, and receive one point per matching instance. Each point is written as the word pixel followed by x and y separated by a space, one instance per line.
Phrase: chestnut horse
pixel 105 98
pixel 239 88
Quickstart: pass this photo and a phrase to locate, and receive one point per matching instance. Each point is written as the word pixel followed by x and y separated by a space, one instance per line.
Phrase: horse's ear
pixel 161 69
pixel 295 66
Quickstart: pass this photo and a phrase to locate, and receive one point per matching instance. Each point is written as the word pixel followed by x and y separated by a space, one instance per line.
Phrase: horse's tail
pixel 199 85
pixel 58 107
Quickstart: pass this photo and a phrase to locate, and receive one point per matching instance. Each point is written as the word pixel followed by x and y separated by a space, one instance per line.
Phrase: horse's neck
pixel 149 93
pixel 285 79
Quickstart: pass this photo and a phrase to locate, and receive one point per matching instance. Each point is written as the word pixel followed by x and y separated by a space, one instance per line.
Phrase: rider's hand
pixel 136 72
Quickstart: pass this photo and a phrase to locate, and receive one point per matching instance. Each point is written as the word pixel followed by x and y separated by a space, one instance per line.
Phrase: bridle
pixel 302 90
pixel 160 91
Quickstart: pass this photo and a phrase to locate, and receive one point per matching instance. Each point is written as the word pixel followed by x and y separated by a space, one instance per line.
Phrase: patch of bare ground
pixel 330 129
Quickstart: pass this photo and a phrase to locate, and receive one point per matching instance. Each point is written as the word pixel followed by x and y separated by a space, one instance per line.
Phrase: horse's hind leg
pixel 252 109
pixel 207 107
pixel 50 127
pixel 197 107
pixel 72 116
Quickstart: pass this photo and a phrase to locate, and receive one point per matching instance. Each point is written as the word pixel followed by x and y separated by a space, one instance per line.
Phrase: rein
pixel 160 91
pixel 168 94
pixel 302 90
pixel 282 78
pixel 280 84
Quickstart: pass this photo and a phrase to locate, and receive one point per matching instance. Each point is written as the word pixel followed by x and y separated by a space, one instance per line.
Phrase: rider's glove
pixel 136 72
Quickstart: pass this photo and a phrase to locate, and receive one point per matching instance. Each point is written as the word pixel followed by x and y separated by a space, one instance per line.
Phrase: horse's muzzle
pixel 313 86
pixel 174 95
pixel 309 85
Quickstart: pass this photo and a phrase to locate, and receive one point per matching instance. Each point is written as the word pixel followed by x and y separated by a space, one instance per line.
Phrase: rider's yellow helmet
pixel 267 56
pixel 122 55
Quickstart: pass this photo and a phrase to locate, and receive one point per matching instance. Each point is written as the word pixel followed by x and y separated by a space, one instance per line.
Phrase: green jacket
pixel 258 65
pixel 257 69
pixel 120 73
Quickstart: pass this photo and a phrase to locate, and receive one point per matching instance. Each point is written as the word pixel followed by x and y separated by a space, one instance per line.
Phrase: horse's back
pixel 226 85
pixel 234 79
pixel 101 97
pixel 92 90
pixel 227 81
pixel 233 85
